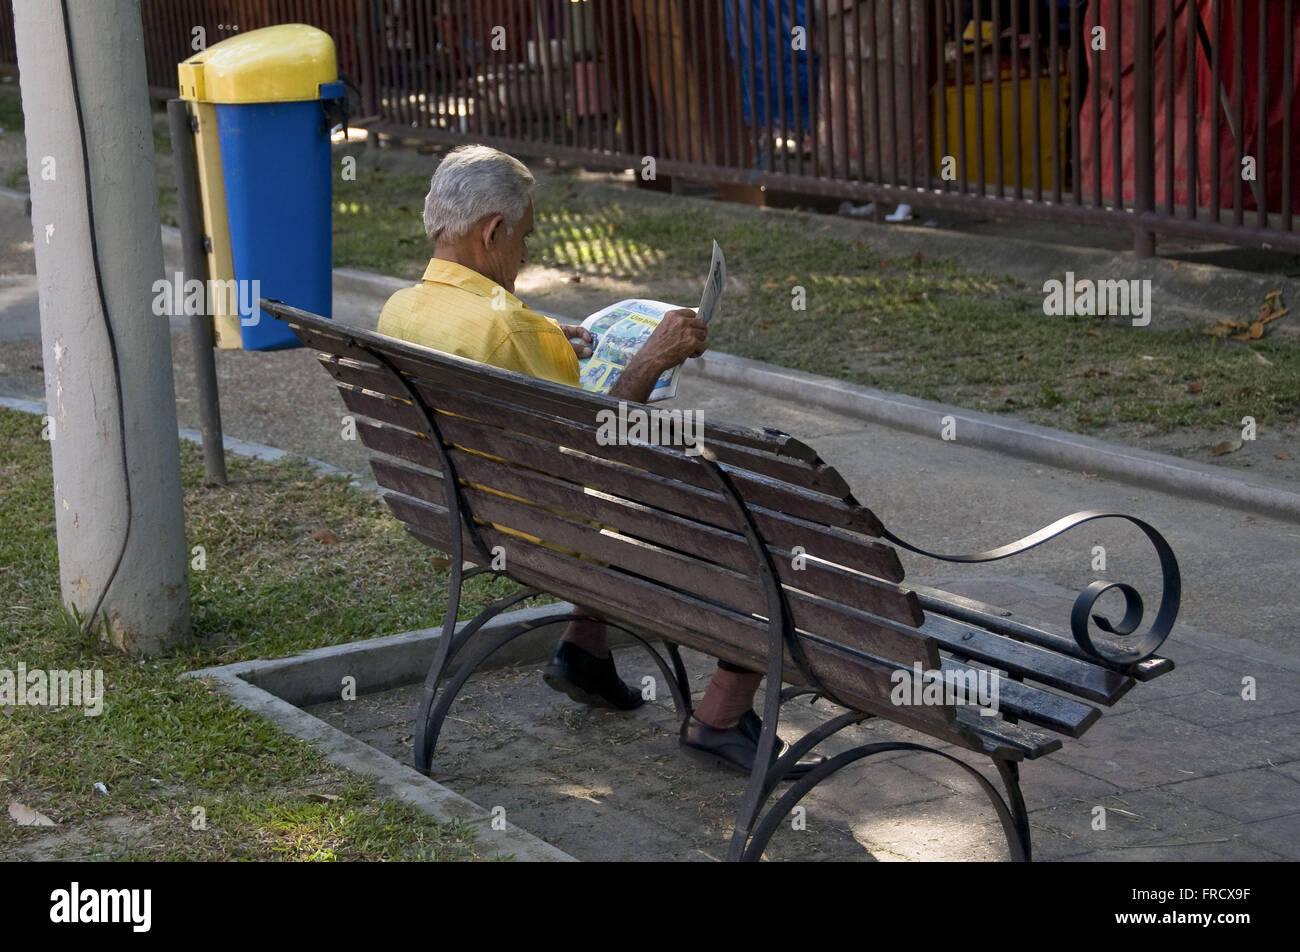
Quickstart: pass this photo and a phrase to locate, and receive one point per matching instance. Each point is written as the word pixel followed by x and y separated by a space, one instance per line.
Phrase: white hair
pixel 473 181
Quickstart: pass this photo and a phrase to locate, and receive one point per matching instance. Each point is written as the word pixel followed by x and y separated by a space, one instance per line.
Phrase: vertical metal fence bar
pixel 998 158
pixel 618 51
pixel 765 74
pixel 891 85
pixel 458 65
pixel 1035 99
pixel 553 50
pixel 963 141
pixel 909 117
pixel 1216 107
pixel 692 34
pixel 549 49
pixel 583 73
pixel 977 23
pixel 518 77
pixel 866 94
pixel 427 84
pixel 1261 171
pixel 1078 63
pixel 395 59
pixel 1017 119
pixel 824 109
pixel 779 49
pixel 797 130
pixel 1170 47
pixel 745 34
pixel 940 11
pixel 1193 136
pixel 1288 98
pixel 665 102
pixel 1143 122
pixel 1054 51
pixel 1238 110
pixel 841 131
pixel 643 81
pixel 438 50
pixel 864 97
pixel 816 58
pixel 1117 112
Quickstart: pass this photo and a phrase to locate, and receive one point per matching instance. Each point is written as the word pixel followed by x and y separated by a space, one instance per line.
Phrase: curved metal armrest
pixel 1146 644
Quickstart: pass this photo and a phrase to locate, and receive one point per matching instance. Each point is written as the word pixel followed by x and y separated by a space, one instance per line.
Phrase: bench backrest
pixel 669 553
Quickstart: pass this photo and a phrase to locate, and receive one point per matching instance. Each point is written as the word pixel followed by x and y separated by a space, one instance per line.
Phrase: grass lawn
pixel 163 746
pixel 917 325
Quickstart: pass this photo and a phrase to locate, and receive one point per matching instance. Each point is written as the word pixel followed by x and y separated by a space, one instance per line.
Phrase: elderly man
pixel 478 213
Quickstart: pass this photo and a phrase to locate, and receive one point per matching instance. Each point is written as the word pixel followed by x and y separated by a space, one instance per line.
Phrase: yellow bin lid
pixel 286 63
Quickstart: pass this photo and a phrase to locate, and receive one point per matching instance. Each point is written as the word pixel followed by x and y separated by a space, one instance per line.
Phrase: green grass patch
pixel 171 751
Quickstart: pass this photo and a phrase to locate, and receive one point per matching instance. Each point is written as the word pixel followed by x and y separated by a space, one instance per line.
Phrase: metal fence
pixel 1160 116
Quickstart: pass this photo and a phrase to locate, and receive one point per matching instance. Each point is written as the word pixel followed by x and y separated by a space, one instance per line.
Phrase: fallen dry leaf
pixel 1196 386
pixel 325 536
pixel 1226 447
pixel 1283 455
pixel 24 815
pixel 323 797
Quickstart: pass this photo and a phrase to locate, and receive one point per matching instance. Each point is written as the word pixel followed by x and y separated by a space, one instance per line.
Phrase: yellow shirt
pixel 459 311
pixel 452 310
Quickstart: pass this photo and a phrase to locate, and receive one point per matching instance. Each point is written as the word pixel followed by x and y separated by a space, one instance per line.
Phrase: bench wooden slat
pixel 809 495
pixel 1084 680
pixel 837 546
pixel 1031 742
pixel 1055 712
pixel 729 549
pixel 729 590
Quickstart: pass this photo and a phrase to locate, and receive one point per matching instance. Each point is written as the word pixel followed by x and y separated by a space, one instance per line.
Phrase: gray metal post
pixel 119 515
pixel 1144 153
pixel 189 216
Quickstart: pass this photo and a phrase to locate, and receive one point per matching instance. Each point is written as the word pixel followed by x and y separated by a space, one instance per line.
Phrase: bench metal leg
pixel 449 644
pixel 1015 827
pixel 1009 771
pixel 441 693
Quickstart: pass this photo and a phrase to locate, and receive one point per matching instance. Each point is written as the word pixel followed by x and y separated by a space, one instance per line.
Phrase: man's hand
pixel 579 338
pixel 680 334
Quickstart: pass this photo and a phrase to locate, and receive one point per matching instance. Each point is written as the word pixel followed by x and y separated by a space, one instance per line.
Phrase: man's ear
pixel 493 228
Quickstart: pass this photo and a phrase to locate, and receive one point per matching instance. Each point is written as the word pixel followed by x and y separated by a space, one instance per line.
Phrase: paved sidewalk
pixel 1185 766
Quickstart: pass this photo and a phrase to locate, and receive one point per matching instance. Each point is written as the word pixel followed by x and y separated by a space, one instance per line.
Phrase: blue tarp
pixel 768 78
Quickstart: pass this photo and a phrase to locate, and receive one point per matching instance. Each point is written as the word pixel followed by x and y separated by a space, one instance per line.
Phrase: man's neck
pixel 461 256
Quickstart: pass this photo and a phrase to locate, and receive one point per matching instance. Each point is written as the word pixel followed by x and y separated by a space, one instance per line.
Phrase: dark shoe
pixel 588 679
pixel 736 746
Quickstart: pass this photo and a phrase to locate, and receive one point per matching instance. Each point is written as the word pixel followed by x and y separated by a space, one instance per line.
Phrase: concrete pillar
pixel 136 579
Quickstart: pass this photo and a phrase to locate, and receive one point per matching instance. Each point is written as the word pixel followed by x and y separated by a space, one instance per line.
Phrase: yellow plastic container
pixel 965 149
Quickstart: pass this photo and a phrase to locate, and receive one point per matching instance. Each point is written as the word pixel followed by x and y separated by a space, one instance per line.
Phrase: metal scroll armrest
pixel 1110 652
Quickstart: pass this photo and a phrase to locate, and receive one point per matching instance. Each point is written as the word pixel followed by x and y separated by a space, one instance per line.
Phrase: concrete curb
pixel 276 689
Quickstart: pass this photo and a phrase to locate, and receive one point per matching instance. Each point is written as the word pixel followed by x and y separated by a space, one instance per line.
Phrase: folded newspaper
pixel 620 330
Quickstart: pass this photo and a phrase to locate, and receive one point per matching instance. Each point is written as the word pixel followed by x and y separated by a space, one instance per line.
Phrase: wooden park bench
pixel 754 551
